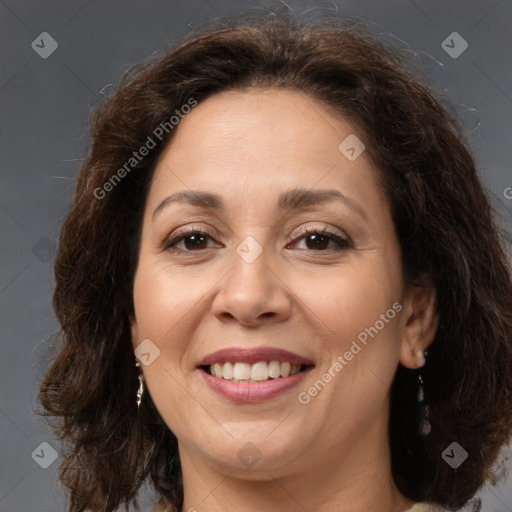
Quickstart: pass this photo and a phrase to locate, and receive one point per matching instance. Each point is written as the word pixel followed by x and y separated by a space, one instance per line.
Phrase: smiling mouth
pixel 255 372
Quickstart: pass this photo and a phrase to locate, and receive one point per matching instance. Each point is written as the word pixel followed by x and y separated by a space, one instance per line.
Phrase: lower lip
pixel 251 392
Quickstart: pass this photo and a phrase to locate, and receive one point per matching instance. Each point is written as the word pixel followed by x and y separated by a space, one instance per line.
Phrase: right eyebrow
pixel 205 200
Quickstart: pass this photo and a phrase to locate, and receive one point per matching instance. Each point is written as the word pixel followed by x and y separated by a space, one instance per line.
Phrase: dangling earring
pixel 140 391
pixel 425 426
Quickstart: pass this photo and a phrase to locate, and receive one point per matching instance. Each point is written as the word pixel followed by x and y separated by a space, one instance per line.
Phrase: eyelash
pixel 341 242
pixel 169 244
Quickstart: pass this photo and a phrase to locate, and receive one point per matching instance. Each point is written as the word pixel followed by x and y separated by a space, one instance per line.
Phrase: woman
pixel 280 285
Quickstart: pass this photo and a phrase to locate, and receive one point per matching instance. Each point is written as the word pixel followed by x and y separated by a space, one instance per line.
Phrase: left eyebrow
pixel 294 199
pixel 299 198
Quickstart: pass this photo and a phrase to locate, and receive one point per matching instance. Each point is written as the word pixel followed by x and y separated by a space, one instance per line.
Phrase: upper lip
pixel 253 355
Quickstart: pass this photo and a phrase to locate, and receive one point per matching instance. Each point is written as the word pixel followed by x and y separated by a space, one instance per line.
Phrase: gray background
pixel 45 105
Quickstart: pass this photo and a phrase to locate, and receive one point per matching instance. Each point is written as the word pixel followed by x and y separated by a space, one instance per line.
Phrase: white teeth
pixel 260 371
pixel 217 370
pixel 285 369
pixel 274 369
pixel 295 368
pixel 241 371
pixel 227 371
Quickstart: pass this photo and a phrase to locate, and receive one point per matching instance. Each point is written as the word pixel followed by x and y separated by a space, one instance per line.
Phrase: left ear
pixel 421 321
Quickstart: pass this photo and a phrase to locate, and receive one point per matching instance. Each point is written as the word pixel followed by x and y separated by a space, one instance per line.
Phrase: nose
pixel 252 293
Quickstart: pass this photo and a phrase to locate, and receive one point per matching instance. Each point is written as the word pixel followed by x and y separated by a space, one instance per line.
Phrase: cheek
pixel 164 305
pixel 163 297
pixel 350 299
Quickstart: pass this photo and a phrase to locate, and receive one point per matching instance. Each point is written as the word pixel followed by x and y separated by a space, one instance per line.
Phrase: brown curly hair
pixel 442 216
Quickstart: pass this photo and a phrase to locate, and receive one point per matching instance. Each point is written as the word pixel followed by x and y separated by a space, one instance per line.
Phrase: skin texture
pixel 333 453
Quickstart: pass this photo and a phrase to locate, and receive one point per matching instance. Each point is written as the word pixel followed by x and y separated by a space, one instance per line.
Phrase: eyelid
pixel 191 228
pixel 313 229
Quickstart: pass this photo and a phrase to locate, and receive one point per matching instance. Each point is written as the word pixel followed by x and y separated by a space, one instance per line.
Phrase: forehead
pixel 272 125
pixel 261 140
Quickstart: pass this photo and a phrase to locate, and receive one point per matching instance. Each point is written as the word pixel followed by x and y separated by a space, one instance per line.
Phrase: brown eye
pixel 193 240
pixel 317 239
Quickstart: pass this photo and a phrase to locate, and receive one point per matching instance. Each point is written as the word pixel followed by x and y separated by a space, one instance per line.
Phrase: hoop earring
pixel 425 427
pixel 140 390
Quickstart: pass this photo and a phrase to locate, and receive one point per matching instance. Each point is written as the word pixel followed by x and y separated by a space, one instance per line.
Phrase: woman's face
pixel 250 273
